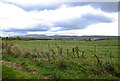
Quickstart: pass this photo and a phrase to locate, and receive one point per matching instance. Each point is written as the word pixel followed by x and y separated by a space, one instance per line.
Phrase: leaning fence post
pixel 95 50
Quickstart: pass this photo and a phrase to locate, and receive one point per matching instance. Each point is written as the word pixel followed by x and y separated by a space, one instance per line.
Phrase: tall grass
pixel 74 58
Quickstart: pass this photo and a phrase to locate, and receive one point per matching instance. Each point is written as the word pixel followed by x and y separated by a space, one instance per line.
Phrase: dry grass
pixel 12 49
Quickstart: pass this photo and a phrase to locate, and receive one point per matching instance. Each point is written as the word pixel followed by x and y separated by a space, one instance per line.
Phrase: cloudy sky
pixel 52 17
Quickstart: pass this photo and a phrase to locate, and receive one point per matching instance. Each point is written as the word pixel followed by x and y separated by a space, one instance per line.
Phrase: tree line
pixel 14 38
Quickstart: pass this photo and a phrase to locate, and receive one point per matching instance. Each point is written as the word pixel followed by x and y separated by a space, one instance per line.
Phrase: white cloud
pixel 65 13
pixel 108 29
pixel 28 3
pixel 7 34
pixel 12 16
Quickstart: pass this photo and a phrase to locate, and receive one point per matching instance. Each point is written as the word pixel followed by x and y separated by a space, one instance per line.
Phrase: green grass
pixel 64 44
pixel 67 67
pixel 10 73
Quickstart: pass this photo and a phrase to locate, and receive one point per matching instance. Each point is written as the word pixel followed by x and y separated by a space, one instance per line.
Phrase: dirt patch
pixel 19 67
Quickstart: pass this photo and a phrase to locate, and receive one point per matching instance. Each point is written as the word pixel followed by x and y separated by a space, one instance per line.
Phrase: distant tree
pixel 9 38
pixel 18 38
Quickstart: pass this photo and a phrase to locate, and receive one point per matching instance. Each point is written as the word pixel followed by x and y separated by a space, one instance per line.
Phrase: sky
pixel 52 17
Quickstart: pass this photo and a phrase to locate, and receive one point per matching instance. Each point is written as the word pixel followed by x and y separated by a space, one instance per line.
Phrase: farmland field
pixel 57 59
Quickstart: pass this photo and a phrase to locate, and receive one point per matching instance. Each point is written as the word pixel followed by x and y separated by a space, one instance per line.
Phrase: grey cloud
pixel 25 30
pixel 83 22
pixel 105 6
pixel 78 23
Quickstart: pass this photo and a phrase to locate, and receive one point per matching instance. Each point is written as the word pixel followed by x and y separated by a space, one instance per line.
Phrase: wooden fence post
pixel 40 47
pixel 95 50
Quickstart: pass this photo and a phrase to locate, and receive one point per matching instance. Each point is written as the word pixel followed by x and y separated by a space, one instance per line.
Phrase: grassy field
pixel 55 59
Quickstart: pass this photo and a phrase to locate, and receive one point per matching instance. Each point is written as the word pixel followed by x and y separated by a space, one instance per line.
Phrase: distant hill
pixel 64 37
